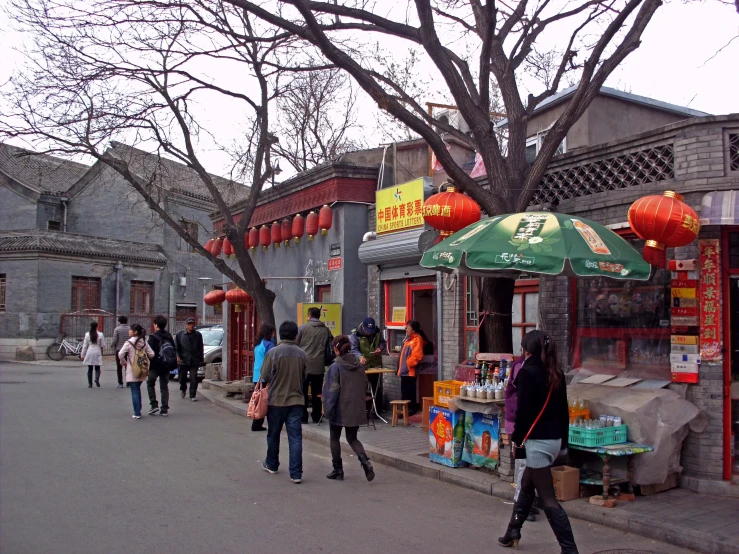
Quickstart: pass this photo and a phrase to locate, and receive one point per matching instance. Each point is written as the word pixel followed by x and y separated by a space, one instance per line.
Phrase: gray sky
pixel 677 63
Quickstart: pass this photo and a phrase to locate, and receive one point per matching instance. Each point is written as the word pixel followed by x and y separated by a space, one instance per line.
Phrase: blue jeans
pixel 136 397
pixel 290 416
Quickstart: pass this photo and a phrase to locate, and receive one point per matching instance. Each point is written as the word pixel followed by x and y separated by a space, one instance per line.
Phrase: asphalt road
pixel 78 475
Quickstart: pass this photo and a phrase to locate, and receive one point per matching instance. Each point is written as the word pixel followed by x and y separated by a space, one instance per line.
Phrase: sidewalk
pixel 698 522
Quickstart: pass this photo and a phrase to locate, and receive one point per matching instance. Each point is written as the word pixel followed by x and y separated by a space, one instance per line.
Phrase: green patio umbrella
pixel 538 242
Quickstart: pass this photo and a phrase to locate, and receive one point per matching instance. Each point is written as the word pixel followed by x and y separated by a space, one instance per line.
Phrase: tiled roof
pixel 41 172
pixel 176 177
pixel 35 240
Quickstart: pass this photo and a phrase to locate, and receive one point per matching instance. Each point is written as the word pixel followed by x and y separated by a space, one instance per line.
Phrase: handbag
pixel 258 402
pixel 519 451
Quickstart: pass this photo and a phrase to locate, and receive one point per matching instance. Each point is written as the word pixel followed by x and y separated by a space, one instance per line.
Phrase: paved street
pixel 78 475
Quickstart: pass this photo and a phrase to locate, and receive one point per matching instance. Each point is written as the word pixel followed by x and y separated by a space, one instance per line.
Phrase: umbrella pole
pixel 439 325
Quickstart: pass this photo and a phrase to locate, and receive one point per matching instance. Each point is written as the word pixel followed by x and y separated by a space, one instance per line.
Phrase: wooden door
pixel 242 330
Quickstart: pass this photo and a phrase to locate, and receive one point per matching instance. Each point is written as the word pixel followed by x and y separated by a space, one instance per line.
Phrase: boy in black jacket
pixel 160 365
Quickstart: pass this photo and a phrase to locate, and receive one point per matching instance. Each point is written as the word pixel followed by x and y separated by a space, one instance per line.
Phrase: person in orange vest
pixel 410 357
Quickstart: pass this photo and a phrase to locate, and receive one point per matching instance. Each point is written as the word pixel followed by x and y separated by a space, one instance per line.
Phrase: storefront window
pixel 396 302
pixel 623 327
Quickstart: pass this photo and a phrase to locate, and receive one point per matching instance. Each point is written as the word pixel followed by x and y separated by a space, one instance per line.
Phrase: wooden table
pixel 373 393
pixel 605 453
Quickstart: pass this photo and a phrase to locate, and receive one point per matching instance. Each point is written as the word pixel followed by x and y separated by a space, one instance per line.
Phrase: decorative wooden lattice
pixel 734 152
pixel 626 170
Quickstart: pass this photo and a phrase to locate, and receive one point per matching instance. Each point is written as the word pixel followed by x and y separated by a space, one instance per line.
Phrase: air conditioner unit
pixel 453 118
pixel 183 281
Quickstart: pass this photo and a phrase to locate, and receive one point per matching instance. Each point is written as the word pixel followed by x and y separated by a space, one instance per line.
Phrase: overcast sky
pixel 677 63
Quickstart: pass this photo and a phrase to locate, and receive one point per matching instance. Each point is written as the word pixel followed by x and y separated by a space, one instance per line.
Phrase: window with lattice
pixel 142 297
pixel 85 293
pixel 734 152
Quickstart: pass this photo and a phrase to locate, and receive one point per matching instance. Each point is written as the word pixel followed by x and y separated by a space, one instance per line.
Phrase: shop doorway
pixel 424 311
pixel 323 293
pixel 242 330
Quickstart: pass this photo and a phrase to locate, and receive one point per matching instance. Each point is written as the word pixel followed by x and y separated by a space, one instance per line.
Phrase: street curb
pixel 644 526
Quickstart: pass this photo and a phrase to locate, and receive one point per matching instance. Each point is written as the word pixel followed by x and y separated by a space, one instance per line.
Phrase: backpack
pixel 167 354
pixel 329 356
pixel 139 362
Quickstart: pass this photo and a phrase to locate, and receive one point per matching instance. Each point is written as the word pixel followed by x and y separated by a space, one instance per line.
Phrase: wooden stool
pixel 395 404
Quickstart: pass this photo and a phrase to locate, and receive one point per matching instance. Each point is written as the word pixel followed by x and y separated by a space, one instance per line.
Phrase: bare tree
pixel 136 72
pixel 317 115
pixel 471 45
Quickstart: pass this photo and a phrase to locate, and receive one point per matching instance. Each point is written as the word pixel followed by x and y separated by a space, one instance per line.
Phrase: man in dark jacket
pixel 284 368
pixel 189 345
pixel 120 336
pixel 313 337
pixel 159 368
pixel 368 345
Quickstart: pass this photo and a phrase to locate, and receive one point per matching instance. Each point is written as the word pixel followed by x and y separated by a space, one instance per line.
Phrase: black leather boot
pixel 521 510
pixel 560 524
pixel 338 472
pixel 369 471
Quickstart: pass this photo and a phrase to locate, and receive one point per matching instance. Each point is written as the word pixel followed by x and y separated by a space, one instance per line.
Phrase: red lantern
pixel 450 211
pixel 208 245
pixel 253 238
pixel 663 222
pixel 214 297
pixel 216 248
pixel 287 229
pixel 311 225
pixel 238 297
pixel 276 234
pixel 325 219
pixel 264 237
pixel 298 228
pixel 228 249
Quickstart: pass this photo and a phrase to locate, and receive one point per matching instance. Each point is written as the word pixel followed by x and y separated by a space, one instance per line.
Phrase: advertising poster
pixel 400 207
pixel 330 315
pixel 481 440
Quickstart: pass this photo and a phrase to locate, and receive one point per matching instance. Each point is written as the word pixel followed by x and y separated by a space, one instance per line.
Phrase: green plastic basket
pixel 598 437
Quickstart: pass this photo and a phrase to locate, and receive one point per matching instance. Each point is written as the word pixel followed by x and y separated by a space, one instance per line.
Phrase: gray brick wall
pixel 452 324
pixel 16 212
pixel 555 314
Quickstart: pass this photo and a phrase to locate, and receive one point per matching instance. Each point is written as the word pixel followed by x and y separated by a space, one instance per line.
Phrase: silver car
pixel 212 347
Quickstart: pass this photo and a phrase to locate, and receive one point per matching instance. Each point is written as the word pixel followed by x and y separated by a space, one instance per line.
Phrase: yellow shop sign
pixel 400 207
pixel 330 315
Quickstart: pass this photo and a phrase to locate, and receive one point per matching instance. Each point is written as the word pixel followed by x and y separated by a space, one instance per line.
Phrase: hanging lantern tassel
pixel 311 225
pixel 655 254
pixel 325 219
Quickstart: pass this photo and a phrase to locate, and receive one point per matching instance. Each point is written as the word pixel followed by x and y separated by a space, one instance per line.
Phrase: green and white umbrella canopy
pixel 538 242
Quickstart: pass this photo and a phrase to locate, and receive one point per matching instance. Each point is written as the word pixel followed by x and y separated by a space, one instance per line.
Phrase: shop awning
pixel 720 208
pixel 395 249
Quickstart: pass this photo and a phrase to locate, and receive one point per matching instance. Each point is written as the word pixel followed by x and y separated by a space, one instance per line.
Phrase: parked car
pixel 212 348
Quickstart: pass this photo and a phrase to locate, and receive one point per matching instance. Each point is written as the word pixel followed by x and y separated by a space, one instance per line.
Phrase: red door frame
pixel 242 332
pixel 726 275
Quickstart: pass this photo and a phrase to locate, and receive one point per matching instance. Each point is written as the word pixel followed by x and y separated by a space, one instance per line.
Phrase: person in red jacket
pixel 410 357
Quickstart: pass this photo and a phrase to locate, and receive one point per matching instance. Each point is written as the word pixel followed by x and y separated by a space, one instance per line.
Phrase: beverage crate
pixel 574 414
pixel 598 437
pixel 446 390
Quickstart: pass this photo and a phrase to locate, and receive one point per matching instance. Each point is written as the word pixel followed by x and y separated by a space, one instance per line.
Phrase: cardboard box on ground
pixel 566 483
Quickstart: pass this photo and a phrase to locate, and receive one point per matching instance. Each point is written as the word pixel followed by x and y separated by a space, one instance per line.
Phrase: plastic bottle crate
pixel 598 437
pixel 446 390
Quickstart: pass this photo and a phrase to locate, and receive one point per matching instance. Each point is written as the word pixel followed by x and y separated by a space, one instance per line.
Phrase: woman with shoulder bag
pixel 264 345
pixel 345 406
pixel 541 428
pixel 92 353
pixel 135 356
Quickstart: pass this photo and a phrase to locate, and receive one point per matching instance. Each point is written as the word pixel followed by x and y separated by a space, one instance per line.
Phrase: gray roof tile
pixel 41 172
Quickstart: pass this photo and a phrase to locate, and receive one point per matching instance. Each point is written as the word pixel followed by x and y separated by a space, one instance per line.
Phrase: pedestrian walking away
pixel 265 343
pixel 410 356
pixel 164 361
pixel 92 353
pixel 542 427
pixel 285 369
pixel 120 336
pixel 368 344
pixel 190 356
pixel 314 338
pixel 135 356
pixel 345 406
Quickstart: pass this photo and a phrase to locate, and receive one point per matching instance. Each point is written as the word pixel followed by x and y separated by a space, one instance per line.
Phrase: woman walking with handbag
pixel 135 356
pixel 540 432
pixel 92 353
pixel 264 345
pixel 345 406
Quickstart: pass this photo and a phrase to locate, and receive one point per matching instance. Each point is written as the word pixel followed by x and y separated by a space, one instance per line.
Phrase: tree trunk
pixel 496 298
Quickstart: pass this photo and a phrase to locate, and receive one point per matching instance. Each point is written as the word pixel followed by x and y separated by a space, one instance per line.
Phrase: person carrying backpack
pixel 135 356
pixel 164 361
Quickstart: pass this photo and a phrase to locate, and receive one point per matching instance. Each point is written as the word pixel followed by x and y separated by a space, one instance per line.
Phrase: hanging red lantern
pixel 298 228
pixel 276 234
pixel 311 225
pixel 217 247
pixel 325 219
pixel 209 245
pixel 264 237
pixel 215 297
pixel 450 211
pixel 663 222
pixel 228 249
pixel 287 229
pixel 253 238
pixel 238 297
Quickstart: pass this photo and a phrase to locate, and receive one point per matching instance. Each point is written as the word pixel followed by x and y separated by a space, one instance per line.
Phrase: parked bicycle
pixel 58 350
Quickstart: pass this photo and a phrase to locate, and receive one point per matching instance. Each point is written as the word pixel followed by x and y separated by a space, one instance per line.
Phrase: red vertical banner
pixel 710 300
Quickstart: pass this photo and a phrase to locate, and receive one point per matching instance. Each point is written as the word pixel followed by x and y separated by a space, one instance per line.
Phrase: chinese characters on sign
pixel 710 300
pixel 400 207
pixel 684 322
pixel 334 264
